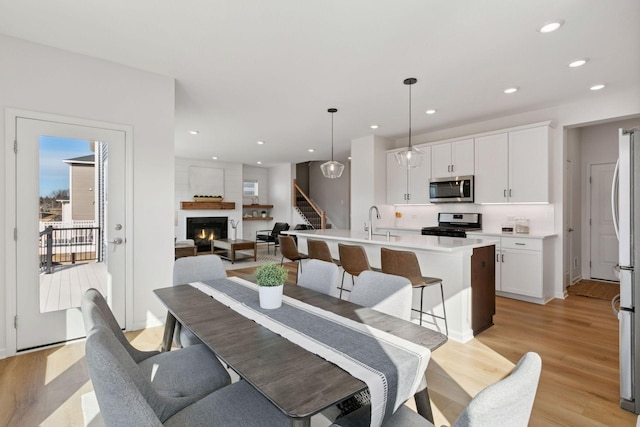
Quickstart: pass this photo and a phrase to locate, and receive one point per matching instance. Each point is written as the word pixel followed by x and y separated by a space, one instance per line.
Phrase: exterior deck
pixel 63 288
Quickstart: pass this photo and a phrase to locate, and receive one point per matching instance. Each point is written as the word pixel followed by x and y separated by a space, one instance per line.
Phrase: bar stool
pixel 354 261
pixel 318 249
pixel 405 264
pixel 289 250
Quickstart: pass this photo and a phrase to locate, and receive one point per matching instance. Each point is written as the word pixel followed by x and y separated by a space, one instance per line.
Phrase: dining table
pixel 297 381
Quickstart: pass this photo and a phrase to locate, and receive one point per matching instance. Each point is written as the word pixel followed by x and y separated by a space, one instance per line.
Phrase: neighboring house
pixel 81 189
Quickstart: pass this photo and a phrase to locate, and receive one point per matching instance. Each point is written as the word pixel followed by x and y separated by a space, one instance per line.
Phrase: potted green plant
pixel 270 279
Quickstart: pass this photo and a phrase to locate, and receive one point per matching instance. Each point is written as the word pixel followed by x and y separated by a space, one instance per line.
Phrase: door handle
pixel 117 241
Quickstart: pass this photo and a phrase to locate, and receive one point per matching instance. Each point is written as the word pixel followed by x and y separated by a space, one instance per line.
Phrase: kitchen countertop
pixel 411 241
pixel 496 233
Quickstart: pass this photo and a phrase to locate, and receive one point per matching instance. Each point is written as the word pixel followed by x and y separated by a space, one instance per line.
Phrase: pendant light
pixel 410 157
pixel 332 169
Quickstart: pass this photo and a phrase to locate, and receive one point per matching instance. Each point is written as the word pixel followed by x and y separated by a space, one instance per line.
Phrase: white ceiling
pixel 249 70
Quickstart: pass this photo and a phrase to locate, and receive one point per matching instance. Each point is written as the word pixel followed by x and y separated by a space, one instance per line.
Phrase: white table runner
pixel 408 360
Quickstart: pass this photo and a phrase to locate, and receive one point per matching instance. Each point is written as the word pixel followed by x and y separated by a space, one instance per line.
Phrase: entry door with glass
pixel 70 221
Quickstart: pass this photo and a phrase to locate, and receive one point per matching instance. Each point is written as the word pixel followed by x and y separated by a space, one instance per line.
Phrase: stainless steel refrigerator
pixel 626 207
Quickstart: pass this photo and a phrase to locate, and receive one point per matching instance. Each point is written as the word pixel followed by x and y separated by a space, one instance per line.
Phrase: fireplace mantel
pixel 207 205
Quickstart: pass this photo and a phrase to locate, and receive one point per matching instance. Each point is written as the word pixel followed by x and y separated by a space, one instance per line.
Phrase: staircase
pixel 309 214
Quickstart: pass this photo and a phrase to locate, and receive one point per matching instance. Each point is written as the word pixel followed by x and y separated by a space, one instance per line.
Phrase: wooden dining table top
pixel 297 381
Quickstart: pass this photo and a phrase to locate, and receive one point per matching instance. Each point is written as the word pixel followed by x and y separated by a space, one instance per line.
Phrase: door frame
pixel 11 117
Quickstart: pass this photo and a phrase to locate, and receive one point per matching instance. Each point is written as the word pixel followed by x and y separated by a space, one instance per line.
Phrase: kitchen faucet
pixel 370 227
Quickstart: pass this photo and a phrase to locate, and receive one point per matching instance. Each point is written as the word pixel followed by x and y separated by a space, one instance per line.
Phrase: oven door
pixel 451 190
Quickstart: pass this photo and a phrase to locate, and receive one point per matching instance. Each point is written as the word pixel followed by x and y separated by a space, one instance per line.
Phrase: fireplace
pixel 204 229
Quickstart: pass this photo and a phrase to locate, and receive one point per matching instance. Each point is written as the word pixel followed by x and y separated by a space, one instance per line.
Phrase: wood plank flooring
pixel 577 339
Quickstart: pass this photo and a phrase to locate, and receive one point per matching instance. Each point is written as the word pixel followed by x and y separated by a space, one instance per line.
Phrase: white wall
pixel 43 79
pixel 369 182
pixel 232 193
pixel 281 193
pixel 331 195
pixel 262 176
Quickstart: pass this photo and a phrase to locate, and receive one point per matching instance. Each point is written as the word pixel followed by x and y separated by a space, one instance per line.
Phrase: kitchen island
pixel 466 267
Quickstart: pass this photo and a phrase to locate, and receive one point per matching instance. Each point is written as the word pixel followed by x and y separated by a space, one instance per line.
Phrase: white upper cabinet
pixel 408 186
pixel 452 159
pixel 513 167
pixel 492 173
pixel 529 165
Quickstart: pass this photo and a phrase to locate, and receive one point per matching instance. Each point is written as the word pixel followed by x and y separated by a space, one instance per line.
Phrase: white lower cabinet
pixel 523 267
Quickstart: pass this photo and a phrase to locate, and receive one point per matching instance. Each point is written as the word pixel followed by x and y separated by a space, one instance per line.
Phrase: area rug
pixel 595 289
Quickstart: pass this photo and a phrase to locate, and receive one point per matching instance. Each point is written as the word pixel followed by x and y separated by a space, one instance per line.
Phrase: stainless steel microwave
pixel 458 189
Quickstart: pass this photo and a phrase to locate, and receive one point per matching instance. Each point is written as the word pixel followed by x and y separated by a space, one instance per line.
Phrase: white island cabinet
pixel 465 266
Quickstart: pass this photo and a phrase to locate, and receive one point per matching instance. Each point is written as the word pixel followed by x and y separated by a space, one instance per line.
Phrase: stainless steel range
pixel 455 224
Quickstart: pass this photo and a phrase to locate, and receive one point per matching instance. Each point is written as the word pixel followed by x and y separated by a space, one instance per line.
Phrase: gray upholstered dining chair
pixel 383 292
pixel 193 371
pixel 126 397
pixel 194 269
pixel 507 403
pixel 320 276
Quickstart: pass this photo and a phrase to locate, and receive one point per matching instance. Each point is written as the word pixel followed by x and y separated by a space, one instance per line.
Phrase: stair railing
pixel 321 214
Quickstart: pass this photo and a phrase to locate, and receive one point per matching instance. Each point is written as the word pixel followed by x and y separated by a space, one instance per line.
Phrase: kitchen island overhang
pixel 466 267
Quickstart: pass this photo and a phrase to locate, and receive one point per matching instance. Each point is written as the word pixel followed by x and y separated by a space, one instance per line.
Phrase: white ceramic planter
pixel 270 296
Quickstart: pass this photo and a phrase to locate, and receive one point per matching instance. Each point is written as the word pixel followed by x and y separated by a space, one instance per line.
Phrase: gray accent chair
pixel 320 276
pixel 194 269
pixel 126 398
pixel 193 371
pixel 383 292
pixel 507 403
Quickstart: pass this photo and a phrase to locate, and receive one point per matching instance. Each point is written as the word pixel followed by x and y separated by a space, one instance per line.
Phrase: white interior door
pixel 604 244
pixel 50 278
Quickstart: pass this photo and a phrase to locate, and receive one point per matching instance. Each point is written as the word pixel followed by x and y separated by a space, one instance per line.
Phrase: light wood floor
pixel 576 338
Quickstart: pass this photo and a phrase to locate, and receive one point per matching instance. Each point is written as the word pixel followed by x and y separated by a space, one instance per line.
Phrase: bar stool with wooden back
pixel 318 249
pixel 405 264
pixel 289 250
pixel 354 261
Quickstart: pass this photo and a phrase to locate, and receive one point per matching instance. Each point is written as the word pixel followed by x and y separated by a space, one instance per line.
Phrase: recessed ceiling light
pixel 311 150
pixel 260 142
pixel 578 62
pixel 259 162
pixel 194 132
pixel 215 157
pixel 597 87
pixel 374 126
pixel 349 157
pixel 431 111
pixel 511 90
pixel 549 27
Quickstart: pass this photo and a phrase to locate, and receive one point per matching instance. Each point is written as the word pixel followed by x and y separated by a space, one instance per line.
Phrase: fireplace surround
pixel 204 229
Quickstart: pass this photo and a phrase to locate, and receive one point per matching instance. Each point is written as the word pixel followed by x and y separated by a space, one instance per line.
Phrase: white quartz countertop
pixel 411 241
pixel 494 233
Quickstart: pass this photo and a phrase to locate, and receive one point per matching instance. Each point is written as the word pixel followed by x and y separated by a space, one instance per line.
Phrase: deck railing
pixel 68 246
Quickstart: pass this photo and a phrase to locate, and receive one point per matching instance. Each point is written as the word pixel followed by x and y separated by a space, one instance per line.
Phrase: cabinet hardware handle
pixel 502 257
pixel 504 193
pixel 520 244
pixel 509 192
pixel 453 168
pixel 448 168
pixel 497 257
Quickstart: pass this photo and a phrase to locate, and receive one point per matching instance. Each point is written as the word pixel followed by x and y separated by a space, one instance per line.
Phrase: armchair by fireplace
pixel 270 237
